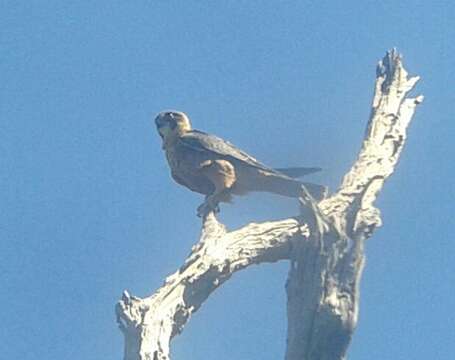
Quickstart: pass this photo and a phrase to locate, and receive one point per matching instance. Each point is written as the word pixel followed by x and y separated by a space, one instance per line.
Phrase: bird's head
pixel 171 125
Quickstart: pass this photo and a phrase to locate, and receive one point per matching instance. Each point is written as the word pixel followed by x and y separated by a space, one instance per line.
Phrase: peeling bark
pixel 324 245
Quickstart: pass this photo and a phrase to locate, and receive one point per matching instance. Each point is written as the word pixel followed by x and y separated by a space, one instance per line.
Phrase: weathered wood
pixel 323 284
pixel 149 324
pixel 324 245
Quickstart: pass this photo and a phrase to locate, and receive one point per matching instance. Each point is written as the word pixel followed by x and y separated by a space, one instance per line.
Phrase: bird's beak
pixel 163 130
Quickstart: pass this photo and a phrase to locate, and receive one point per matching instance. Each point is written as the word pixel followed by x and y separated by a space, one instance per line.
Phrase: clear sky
pixel 88 207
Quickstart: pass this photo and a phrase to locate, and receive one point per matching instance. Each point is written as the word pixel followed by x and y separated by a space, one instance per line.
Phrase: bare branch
pixel 149 324
pixel 385 137
pixel 323 284
pixel 326 255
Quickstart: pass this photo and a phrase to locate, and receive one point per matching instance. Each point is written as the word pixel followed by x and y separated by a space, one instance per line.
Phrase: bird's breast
pixel 186 169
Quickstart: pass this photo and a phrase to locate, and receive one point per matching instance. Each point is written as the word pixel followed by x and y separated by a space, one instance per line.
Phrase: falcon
pixel 214 167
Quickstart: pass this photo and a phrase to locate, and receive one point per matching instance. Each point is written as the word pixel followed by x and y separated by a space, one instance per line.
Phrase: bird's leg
pixel 210 204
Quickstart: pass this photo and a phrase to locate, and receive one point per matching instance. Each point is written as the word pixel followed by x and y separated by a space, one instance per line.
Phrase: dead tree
pixel 324 244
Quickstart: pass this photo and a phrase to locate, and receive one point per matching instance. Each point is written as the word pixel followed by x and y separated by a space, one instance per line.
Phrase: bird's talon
pixel 201 210
pixel 207 207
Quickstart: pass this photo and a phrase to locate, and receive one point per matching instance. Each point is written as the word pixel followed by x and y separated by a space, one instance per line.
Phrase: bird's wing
pixel 200 141
pixel 296 172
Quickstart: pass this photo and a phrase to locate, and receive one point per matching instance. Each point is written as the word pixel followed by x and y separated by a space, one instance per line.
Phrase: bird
pixel 214 167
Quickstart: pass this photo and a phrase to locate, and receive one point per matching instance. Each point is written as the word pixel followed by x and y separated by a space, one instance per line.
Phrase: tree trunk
pixel 324 246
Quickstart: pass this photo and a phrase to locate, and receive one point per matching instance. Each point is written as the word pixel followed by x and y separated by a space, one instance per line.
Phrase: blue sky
pixel 88 206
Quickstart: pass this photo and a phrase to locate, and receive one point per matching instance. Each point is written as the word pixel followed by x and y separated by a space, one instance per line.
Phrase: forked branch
pixel 325 249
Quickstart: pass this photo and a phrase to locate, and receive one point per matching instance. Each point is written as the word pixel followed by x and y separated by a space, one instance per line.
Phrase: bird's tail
pixel 296 172
pixel 285 186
